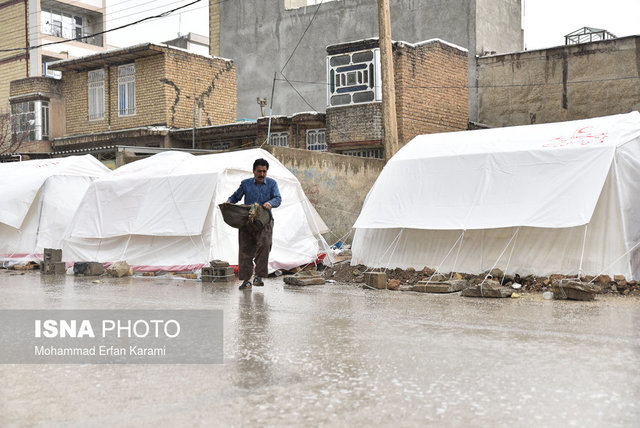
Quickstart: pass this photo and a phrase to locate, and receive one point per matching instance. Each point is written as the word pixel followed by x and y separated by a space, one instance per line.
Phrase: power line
pixel 570 82
pixel 294 51
pixel 161 15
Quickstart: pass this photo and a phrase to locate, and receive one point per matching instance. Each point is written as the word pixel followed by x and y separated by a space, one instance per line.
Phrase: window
pixel 316 140
pixel 96 94
pixel 23 121
pixel 44 113
pixel 279 139
pixel 295 4
pixel 77 28
pixel 126 90
pixel 368 153
pixel 220 145
pixel 353 78
pixel 62 24
pixel 30 120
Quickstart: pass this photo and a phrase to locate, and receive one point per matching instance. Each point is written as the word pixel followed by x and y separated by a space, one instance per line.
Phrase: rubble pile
pixel 343 272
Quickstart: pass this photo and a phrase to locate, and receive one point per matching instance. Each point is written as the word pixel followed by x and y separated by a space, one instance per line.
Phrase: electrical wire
pixel 161 15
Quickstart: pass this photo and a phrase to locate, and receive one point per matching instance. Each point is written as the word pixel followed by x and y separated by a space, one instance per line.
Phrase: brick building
pixel 431 93
pixel 576 81
pixel 260 36
pixel 136 95
pixel 36 32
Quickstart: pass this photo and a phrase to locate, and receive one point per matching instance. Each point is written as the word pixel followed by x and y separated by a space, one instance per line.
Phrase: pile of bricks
pixel 217 271
pixel 52 264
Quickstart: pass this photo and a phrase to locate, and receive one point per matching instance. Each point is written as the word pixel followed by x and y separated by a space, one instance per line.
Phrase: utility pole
pixel 389 122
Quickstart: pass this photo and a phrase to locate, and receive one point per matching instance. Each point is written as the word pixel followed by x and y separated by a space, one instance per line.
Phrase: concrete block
pixel 53 268
pixel 223 271
pixel 376 280
pixel 88 268
pixel 217 274
pixel 52 255
pixel 218 263
pixel 440 287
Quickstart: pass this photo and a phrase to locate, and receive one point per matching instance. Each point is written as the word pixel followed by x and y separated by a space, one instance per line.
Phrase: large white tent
pixel 37 201
pixel 538 199
pixel 161 213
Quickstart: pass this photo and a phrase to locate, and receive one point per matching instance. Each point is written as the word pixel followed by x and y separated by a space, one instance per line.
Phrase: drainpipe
pixel 26 35
pixel 109 94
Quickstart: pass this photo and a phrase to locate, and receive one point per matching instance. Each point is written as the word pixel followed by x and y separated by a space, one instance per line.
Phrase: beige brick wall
pixel 212 80
pixel 431 90
pixel 562 83
pixel 12 35
pixel 30 85
pixel 149 99
pixel 164 86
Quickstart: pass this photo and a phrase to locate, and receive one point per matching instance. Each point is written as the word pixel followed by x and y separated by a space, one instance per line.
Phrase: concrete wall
pixel 260 36
pixel 335 184
pixel 561 83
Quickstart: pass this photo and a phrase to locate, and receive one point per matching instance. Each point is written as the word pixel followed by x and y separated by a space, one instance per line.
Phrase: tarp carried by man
pixel 537 199
pixel 39 199
pixel 161 213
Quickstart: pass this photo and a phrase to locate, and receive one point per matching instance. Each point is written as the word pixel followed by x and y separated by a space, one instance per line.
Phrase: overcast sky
pixel 545 21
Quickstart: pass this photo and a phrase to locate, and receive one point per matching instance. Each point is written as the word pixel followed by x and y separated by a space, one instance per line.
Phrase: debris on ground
pixel 119 269
pixel 575 290
pixel 305 277
pixel 489 288
pixel 408 279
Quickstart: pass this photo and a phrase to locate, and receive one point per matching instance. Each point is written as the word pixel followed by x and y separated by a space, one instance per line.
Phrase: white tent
pixel 537 199
pixel 37 201
pixel 161 213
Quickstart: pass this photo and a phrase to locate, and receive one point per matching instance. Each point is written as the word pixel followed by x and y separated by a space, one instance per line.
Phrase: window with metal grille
pixel 353 78
pixel 23 121
pixel 44 110
pixel 369 153
pixel 316 140
pixel 96 94
pixel 126 90
pixel 279 139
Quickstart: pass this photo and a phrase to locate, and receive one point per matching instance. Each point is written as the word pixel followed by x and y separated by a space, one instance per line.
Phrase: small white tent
pixel 161 213
pixel 537 199
pixel 37 201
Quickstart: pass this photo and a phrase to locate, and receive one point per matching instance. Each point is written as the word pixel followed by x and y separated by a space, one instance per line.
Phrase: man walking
pixel 256 245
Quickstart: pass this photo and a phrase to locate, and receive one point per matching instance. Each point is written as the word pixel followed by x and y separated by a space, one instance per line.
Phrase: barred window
pixel 369 153
pixel 316 140
pixel 279 139
pixel 126 90
pixel 96 94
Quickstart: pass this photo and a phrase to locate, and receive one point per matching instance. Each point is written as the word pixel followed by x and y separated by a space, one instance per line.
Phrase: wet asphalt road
pixel 338 355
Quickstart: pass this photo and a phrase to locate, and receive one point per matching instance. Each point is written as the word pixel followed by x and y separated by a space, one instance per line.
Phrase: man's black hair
pixel 260 162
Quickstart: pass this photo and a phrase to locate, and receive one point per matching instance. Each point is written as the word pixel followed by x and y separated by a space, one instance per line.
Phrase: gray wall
pixel 560 83
pixel 260 35
pixel 335 184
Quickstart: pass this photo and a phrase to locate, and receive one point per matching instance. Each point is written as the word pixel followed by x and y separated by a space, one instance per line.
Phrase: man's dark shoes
pixel 257 281
pixel 245 284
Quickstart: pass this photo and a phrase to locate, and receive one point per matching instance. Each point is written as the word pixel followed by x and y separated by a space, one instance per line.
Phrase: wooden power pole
pixel 389 122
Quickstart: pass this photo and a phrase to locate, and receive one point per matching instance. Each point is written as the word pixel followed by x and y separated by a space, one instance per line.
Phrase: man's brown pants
pixel 254 246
